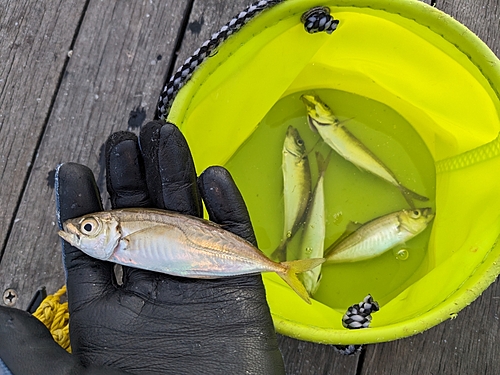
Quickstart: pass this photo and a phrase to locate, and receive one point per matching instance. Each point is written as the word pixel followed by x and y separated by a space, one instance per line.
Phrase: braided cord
pixel 357 316
pixel 318 19
pixel 55 316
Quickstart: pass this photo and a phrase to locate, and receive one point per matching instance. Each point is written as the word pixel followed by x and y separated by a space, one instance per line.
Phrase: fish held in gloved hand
pixel 175 244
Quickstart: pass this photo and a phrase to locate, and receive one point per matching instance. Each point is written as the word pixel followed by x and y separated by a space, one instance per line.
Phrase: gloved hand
pixel 152 323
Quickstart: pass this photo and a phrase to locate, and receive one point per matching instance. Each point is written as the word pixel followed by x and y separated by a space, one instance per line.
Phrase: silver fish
pixel 321 119
pixel 379 235
pixel 296 187
pixel 175 244
pixel 313 236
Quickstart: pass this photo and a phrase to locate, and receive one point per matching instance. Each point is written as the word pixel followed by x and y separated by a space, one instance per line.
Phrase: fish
pixel 312 244
pixel 322 120
pixel 175 244
pixel 296 187
pixel 380 235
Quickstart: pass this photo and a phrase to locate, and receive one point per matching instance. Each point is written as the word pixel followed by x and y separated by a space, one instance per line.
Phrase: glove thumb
pixel 27 347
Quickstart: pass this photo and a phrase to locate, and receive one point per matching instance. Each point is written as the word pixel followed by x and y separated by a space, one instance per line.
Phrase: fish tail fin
pixel 410 195
pixel 298 266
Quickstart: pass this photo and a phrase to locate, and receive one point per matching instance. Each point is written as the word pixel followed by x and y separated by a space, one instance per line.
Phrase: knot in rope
pixel 359 314
pixel 318 19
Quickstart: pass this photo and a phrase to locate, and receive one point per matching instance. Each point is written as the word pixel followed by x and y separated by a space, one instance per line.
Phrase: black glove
pixel 149 323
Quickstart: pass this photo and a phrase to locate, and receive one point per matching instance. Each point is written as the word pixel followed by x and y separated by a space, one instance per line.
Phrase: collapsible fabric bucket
pixel 418 88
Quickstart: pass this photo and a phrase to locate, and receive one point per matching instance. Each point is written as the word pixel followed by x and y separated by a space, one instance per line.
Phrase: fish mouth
pixel 308 101
pixel 427 214
pixel 70 234
pixel 427 211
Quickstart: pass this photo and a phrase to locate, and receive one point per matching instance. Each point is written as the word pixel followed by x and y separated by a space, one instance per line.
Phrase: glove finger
pixel 77 195
pixel 27 348
pixel 125 177
pixel 170 172
pixel 224 202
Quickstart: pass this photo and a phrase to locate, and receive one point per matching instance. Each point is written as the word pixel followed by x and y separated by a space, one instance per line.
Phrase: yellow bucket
pixel 397 67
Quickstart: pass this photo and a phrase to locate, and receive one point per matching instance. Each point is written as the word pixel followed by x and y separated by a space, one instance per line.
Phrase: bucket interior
pixel 407 86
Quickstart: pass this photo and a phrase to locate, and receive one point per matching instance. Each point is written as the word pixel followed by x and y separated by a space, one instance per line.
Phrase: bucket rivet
pixel 10 297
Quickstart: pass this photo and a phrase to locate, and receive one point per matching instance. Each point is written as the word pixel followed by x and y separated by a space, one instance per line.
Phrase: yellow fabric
pixel 416 61
pixel 55 316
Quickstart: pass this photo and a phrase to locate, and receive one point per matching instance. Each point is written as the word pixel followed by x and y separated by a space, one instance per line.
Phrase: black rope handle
pixel 315 20
pixel 178 80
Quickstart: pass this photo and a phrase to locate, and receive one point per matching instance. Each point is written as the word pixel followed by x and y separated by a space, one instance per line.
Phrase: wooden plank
pixel 307 358
pixel 468 344
pixel 206 18
pixel 465 345
pixel 482 17
pixel 35 38
pixel 118 65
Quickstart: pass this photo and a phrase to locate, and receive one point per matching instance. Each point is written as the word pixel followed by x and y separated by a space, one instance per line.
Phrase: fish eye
pixel 415 214
pixel 300 142
pixel 89 226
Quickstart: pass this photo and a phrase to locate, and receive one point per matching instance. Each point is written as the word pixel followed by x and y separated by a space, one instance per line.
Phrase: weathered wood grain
pixel 303 357
pixel 465 345
pixel 118 65
pixel 35 38
pixel 206 18
pixel 482 17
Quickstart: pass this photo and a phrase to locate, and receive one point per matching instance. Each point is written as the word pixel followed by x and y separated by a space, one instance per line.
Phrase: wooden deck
pixel 72 72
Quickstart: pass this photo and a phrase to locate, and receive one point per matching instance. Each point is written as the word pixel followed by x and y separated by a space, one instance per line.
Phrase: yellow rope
pixel 55 316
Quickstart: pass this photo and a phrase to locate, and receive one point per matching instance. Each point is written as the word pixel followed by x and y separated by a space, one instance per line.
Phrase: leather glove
pixel 149 323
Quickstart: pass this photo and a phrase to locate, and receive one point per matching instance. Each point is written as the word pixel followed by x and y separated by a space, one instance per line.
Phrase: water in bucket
pixel 351 194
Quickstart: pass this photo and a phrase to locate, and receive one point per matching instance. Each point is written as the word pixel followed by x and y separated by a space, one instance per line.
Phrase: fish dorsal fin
pixel 352 227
